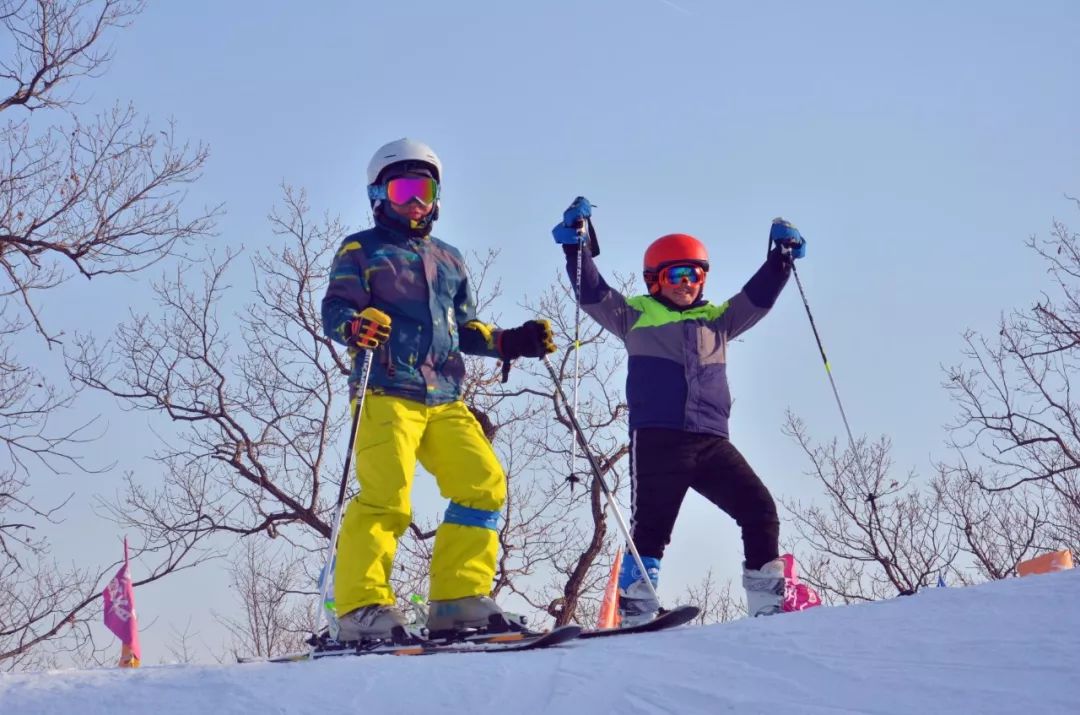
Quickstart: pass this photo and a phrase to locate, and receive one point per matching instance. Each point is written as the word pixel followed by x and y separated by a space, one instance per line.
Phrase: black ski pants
pixel 664 463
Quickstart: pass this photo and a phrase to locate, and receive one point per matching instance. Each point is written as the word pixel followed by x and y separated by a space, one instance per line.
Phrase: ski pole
pixel 365 372
pixel 587 231
pixel 824 359
pixel 583 231
pixel 616 512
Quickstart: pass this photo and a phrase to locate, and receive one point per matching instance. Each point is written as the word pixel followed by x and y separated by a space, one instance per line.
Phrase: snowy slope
pixel 1006 647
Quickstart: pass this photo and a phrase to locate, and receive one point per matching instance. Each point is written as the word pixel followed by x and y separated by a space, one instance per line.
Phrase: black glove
pixel 533 339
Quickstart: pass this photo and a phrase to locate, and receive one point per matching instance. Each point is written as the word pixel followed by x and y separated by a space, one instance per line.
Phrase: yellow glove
pixel 369 329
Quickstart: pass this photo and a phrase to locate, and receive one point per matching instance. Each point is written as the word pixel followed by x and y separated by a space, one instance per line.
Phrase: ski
pixel 513 641
pixel 484 643
pixel 668 619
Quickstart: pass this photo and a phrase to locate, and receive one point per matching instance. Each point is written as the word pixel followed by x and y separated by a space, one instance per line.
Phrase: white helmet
pixel 399 151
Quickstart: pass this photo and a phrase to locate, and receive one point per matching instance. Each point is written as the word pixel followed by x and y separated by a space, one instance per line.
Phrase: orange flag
pixel 1047 563
pixel 609 609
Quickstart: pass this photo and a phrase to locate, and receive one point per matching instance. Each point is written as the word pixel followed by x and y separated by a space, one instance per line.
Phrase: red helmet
pixel 673 249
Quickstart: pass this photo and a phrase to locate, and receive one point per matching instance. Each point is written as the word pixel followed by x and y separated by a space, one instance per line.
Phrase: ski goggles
pixel 404 189
pixel 679 274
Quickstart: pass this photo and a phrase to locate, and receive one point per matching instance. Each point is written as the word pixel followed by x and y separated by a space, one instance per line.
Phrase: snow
pixel 1004 647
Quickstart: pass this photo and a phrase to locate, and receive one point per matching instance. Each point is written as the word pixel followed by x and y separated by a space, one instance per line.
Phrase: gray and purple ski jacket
pixel 677 367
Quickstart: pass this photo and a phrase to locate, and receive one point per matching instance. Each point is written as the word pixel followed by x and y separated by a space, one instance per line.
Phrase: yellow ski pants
pixel 448 441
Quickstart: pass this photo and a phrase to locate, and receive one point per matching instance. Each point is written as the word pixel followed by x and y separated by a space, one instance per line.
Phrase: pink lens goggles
pixel 404 189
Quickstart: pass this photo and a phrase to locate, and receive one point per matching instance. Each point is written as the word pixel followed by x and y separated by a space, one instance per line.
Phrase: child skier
pixel 677 390
pixel 413 409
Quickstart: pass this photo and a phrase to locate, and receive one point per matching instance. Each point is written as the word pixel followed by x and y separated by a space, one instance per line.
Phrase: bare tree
pixel 265 580
pixel 180 648
pixel 54 42
pixel 1012 490
pixel 78 196
pixel 876 535
pixel 1018 422
pixel 1062 517
pixel 996 529
pixel 716 601
pixel 50 602
pixel 259 424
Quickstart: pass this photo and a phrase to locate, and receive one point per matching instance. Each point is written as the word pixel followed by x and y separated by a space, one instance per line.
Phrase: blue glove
pixel 571 230
pixel 787 238
pixel 567 235
pixel 579 210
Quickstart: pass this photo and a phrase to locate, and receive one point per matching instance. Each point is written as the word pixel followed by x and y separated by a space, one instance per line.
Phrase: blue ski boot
pixel 637 604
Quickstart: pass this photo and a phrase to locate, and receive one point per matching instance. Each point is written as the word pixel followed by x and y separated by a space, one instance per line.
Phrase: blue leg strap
pixel 467 516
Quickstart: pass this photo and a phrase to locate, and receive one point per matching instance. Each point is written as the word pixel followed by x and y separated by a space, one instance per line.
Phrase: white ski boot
pixel 764 589
pixel 374 622
pixel 460 614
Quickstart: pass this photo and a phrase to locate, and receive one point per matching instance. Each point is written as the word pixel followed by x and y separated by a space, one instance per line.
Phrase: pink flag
pixel 797 595
pixel 120 613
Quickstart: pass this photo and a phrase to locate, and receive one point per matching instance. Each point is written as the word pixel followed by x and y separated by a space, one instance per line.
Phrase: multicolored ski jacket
pixel 677 368
pixel 422 284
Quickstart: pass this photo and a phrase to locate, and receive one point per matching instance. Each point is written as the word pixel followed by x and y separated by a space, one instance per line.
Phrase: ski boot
pixel 377 622
pixel 764 589
pixel 472 614
pixel 637 602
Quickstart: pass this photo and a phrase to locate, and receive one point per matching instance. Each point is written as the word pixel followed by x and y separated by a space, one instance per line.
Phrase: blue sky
pixel 916 145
